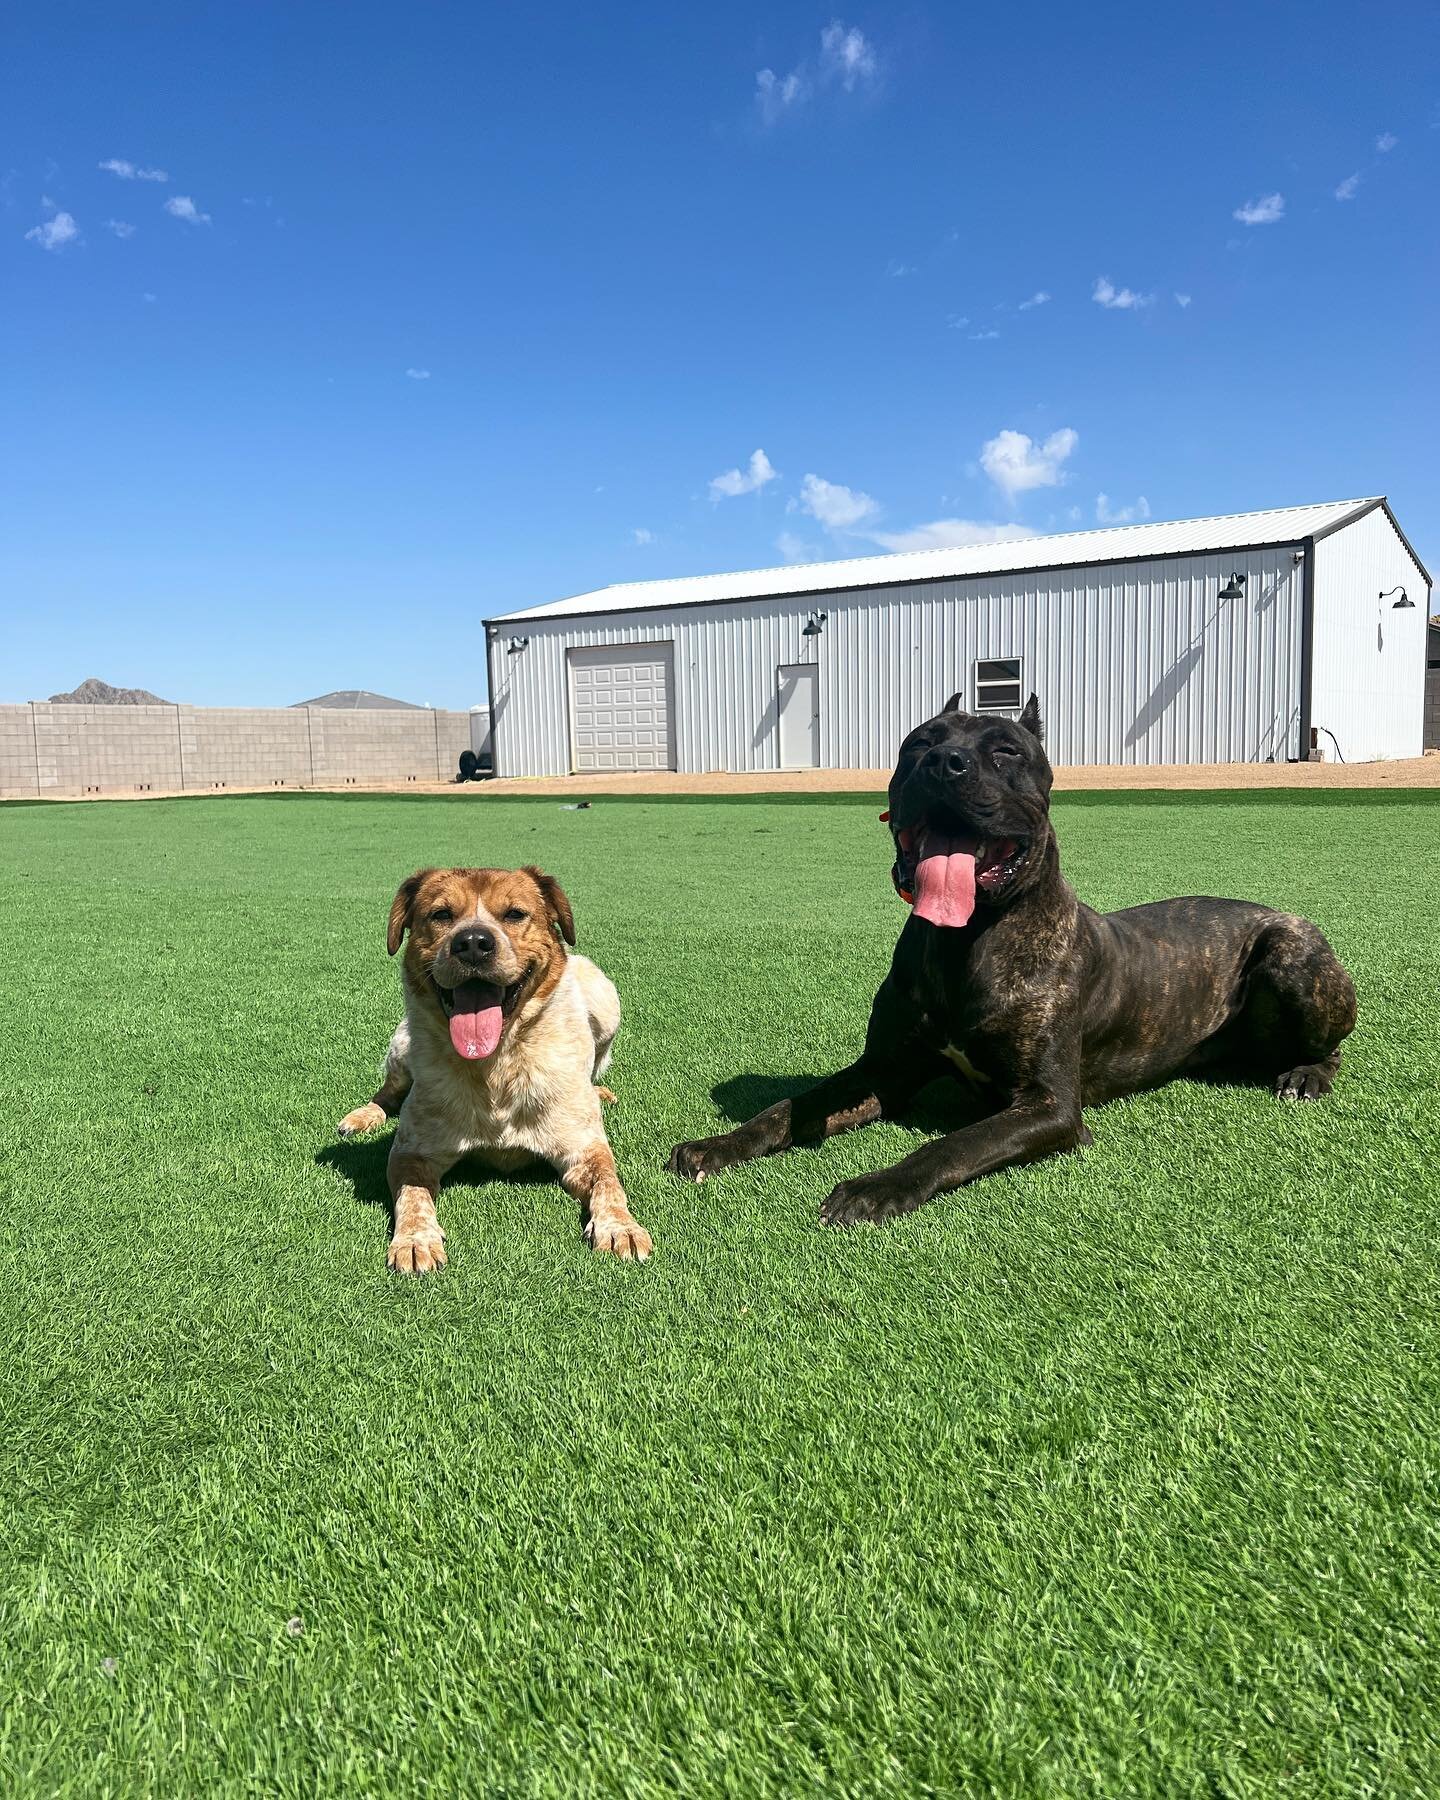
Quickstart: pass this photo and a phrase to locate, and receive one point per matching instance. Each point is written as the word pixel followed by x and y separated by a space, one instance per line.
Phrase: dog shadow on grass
pixel 945 1105
pixel 361 1161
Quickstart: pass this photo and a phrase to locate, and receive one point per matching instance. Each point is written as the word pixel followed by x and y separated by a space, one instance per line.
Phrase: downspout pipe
pixel 490 633
pixel 1307 648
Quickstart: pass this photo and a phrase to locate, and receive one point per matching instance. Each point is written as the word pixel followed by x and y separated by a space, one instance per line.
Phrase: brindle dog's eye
pixel 515 915
pixel 442 915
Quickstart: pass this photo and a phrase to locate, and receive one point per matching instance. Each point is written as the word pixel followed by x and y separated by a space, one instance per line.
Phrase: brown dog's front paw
pixel 417 1253
pixel 706 1156
pixel 868 1200
pixel 620 1237
pixel 368 1117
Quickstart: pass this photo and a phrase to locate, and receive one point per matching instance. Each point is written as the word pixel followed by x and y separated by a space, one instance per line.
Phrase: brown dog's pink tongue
pixel 945 882
pixel 477 1019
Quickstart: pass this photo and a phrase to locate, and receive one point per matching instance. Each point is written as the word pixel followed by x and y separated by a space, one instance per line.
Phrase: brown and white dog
pixel 503 1037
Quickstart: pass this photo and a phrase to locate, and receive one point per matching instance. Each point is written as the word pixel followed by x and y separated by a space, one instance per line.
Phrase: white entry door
pixel 799 694
pixel 621 716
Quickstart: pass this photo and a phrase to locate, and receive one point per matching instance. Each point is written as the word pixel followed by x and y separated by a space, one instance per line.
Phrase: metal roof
pixel 361 700
pixel 1115 543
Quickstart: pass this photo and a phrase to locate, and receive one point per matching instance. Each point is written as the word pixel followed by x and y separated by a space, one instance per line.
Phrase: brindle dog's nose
pixel 473 944
pixel 948 760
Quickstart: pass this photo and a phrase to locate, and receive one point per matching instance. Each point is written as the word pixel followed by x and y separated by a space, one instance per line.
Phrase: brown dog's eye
pixel 442 915
pixel 515 915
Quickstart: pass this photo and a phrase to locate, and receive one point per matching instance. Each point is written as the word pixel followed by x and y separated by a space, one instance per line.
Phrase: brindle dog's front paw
pixel 1311 1081
pixel 869 1199
pixel 706 1156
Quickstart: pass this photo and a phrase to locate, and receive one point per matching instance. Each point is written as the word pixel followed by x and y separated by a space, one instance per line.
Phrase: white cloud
pixel 979 337
pixel 1264 211
pixel 181 206
pixel 744 481
pixel 839 508
pixel 1346 189
pixel 127 171
pixel 895 268
pixel 776 94
pixel 846 56
pixel 418 374
pixel 1182 299
pixel 55 233
pixel 1040 299
pixel 1072 513
pixel 149 298
pixel 1386 142
pixel 958 321
pixel 1106 293
pixel 642 536
pixel 121 227
pixel 1120 515
pixel 942 534
pixel 847 61
pixel 795 549
pixel 1015 463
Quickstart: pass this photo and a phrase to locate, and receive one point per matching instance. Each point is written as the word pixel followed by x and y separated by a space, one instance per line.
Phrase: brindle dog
pixel 1001 975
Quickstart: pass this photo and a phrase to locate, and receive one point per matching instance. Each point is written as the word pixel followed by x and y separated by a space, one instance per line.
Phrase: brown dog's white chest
pixel 534 1092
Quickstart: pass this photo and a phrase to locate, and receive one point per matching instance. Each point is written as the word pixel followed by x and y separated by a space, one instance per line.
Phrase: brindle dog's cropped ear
pixel 1030 718
pixel 953 704
pixel 400 909
pixel 556 904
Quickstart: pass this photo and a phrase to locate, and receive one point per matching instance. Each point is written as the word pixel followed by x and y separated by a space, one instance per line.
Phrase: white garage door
pixel 621 716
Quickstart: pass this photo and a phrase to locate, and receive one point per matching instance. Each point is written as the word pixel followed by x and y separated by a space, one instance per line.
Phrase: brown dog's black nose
pixel 473 944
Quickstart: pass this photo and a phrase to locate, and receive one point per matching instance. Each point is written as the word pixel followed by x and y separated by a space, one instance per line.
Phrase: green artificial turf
pixel 1115 1475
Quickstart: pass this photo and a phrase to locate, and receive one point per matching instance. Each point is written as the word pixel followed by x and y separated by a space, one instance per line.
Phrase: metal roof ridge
pixel 1037 537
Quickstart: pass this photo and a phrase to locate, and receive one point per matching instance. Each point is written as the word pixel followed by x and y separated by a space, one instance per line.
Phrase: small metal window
pixel 998 683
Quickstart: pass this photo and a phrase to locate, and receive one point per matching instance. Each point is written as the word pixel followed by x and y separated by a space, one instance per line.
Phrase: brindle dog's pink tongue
pixel 477 1020
pixel 945 884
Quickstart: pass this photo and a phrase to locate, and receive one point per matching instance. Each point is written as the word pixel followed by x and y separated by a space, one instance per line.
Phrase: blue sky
pixel 329 331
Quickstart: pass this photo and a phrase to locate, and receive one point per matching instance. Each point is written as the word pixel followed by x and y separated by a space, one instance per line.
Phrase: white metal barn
pixel 1254 637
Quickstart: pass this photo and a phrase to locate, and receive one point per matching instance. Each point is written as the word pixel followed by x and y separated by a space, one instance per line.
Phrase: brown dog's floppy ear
pixel 1030 718
pixel 400 909
pixel 952 704
pixel 556 904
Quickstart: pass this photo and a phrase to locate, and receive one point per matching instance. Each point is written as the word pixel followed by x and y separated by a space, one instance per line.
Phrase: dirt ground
pixel 1414 772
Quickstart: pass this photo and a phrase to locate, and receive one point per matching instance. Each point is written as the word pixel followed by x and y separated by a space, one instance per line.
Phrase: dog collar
pixel 903 892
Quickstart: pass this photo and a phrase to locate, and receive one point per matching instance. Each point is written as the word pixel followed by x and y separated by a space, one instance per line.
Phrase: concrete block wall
pixel 70 750
pixel 242 746
pixel 384 746
pixel 17 751
pixel 76 752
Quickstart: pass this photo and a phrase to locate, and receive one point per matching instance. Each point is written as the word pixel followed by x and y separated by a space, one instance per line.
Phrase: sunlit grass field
pixel 1114 1475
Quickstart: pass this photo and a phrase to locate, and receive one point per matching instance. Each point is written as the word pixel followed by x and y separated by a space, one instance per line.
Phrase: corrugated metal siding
pixel 1369 660
pixel 1133 663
